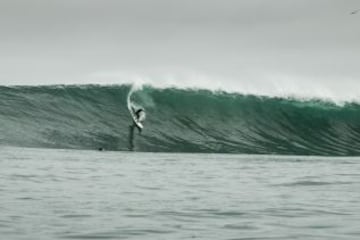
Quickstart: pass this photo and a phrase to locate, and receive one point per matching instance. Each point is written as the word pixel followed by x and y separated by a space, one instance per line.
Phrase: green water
pixel 178 120
pixel 72 194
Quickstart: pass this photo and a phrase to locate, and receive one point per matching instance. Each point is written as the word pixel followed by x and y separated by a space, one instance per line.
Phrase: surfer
pixel 139 118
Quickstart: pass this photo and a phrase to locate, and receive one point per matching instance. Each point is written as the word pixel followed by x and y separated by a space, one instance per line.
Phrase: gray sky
pixel 264 46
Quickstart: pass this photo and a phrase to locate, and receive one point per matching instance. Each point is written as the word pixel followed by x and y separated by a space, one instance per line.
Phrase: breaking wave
pixel 178 120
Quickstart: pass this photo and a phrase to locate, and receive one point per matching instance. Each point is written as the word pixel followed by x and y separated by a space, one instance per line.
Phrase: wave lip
pixel 178 120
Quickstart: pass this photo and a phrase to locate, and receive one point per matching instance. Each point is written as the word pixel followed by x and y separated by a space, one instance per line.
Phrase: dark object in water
pixel 355 12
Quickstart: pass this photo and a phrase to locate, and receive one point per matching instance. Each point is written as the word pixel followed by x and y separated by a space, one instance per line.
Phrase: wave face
pixel 178 120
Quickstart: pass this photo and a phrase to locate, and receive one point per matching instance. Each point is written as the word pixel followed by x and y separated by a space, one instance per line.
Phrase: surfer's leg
pixel 131 137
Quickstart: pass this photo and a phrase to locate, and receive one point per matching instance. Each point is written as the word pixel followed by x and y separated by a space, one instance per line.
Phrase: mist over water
pixel 338 89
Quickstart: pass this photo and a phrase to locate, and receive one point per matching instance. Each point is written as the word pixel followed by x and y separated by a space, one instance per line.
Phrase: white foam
pixel 272 85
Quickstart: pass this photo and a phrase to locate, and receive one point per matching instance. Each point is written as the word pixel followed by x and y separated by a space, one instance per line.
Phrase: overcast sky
pixel 264 44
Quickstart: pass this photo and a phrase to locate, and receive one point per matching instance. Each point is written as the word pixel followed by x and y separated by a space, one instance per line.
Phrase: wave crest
pixel 178 120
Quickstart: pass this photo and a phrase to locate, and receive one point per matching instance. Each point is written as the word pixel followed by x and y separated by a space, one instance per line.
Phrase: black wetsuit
pixel 137 114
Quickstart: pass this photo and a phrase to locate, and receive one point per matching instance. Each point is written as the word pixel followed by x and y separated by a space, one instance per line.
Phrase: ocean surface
pixel 207 165
pixel 178 120
pixel 85 194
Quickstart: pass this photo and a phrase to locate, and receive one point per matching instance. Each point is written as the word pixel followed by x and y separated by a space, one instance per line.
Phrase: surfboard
pixel 131 108
pixel 139 124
